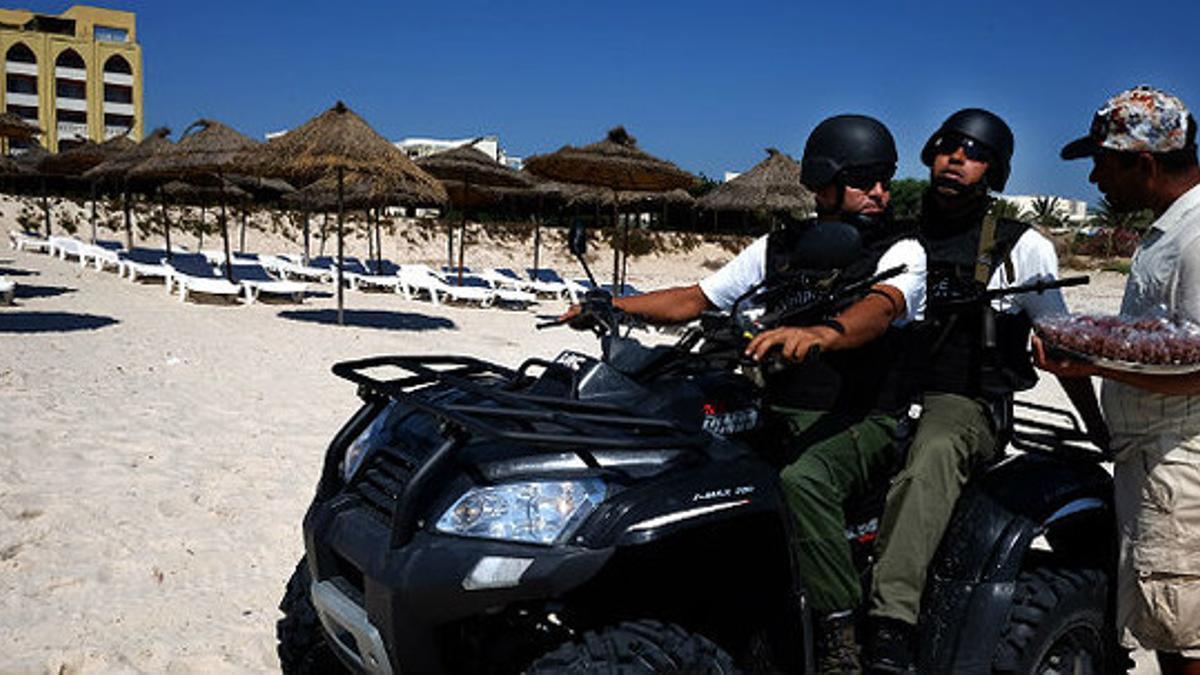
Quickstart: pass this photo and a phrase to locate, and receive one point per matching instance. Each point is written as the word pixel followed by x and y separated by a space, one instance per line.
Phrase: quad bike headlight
pixel 537 512
pixel 367 440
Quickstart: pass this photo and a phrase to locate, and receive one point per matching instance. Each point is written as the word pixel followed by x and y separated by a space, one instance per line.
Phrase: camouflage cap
pixel 1142 119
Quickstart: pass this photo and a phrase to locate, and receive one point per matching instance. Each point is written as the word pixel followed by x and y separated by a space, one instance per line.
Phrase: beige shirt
pixel 1164 281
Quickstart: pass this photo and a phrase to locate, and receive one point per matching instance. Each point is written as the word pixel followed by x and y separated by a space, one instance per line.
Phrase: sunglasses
pixel 973 149
pixel 866 180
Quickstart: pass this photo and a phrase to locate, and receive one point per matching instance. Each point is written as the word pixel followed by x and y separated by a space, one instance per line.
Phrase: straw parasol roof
pixel 117 168
pixel 206 148
pixel 77 160
pixel 13 125
pixel 626 200
pixel 615 162
pixel 340 139
pixel 358 192
pixel 267 189
pixel 772 185
pixel 189 192
pixel 468 164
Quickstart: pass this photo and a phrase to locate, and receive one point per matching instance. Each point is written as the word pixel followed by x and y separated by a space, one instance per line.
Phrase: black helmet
pixel 986 128
pixel 842 142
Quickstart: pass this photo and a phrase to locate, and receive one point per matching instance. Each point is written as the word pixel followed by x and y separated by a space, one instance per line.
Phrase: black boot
pixel 891 647
pixel 837 646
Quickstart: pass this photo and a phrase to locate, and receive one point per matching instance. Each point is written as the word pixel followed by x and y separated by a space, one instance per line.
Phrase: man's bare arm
pixel 669 305
pixel 863 321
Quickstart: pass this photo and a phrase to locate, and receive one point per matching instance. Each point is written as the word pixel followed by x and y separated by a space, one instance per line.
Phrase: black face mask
pixel 946 214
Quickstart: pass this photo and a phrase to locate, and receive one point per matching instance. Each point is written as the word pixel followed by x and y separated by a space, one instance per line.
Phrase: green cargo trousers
pixel 835 468
pixel 954 436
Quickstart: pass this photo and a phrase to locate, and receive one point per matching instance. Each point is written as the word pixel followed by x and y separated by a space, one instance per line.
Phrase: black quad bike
pixel 617 514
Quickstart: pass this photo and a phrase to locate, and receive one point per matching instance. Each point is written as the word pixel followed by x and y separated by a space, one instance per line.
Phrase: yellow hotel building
pixel 76 75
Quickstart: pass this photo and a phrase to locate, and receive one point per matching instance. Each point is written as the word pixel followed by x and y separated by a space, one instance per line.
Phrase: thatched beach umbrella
pixel 772 186
pixel 72 163
pixel 462 171
pixel 615 163
pixel 114 173
pixel 204 154
pixel 335 143
pixel 13 126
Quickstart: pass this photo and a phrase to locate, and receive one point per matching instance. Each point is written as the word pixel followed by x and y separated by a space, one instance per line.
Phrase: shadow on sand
pixel 51 322
pixel 407 321
pixel 16 272
pixel 27 291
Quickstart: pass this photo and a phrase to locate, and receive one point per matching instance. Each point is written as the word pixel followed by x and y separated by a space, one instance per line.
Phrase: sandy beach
pixel 158 456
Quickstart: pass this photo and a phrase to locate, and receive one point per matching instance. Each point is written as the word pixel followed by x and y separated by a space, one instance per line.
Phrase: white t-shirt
pixel 749 268
pixel 1033 259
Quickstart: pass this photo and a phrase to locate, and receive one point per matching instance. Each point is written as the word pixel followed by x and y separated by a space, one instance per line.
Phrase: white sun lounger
pixel 293 269
pixel 503 277
pixel 360 276
pixel 416 278
pixel 8 290
pixel 102 254
pixel 191 273
pixel 546 280
pixel 142 262
pixel 255 281
pixel 26 241
pixel 509 296
pixel 68 246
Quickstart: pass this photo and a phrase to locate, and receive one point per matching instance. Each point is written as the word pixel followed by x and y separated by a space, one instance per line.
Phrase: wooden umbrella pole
pixel 341 222
pixel 537 241
pixel 203 224
pixel 225 236
pixel 378 244
pixel 128 218
pixel 625 253
pixel 304 212
pixel 162 200
pixel 324 232
pixel 46 206
pixel 242 235
pixel 616 249
pixel 92 186
pixel 370 240
pixel 462 233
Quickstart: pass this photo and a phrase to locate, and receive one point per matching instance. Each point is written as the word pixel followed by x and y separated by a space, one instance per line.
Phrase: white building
pixel 488 145
pixel 1072 211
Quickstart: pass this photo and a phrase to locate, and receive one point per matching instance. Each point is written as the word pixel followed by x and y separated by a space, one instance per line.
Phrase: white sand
pixel 155 470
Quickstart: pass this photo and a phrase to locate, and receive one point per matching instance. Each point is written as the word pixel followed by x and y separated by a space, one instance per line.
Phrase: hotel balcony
pixel 21 68
pixel 76 104
pixel 27 100
pixel 114 131
pixel 111 108
pixel 66 73
pixel 123 79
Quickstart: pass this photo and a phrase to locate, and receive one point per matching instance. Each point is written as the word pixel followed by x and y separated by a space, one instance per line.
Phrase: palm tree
pixel 1005 208
pixel 1107 216
pixel 1045 212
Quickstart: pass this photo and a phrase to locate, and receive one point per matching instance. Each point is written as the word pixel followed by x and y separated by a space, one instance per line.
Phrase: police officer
pixel 840 409
pixel 969 370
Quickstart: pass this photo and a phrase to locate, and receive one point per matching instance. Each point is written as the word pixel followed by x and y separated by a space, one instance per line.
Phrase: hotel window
pixel 110 34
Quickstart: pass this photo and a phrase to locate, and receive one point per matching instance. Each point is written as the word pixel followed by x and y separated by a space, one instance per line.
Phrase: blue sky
pixel 707 85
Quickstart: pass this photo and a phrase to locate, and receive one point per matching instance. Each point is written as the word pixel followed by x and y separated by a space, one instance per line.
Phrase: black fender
pixel 970 584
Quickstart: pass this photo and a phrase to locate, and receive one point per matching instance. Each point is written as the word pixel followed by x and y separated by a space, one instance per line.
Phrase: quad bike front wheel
pixel 302 646
pixel 636 647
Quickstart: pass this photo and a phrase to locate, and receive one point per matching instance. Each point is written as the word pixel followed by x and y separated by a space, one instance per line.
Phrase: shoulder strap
pixel 983 256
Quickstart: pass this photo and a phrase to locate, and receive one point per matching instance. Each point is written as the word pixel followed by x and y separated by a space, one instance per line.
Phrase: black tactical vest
pixel 855 382
pixel 955 358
